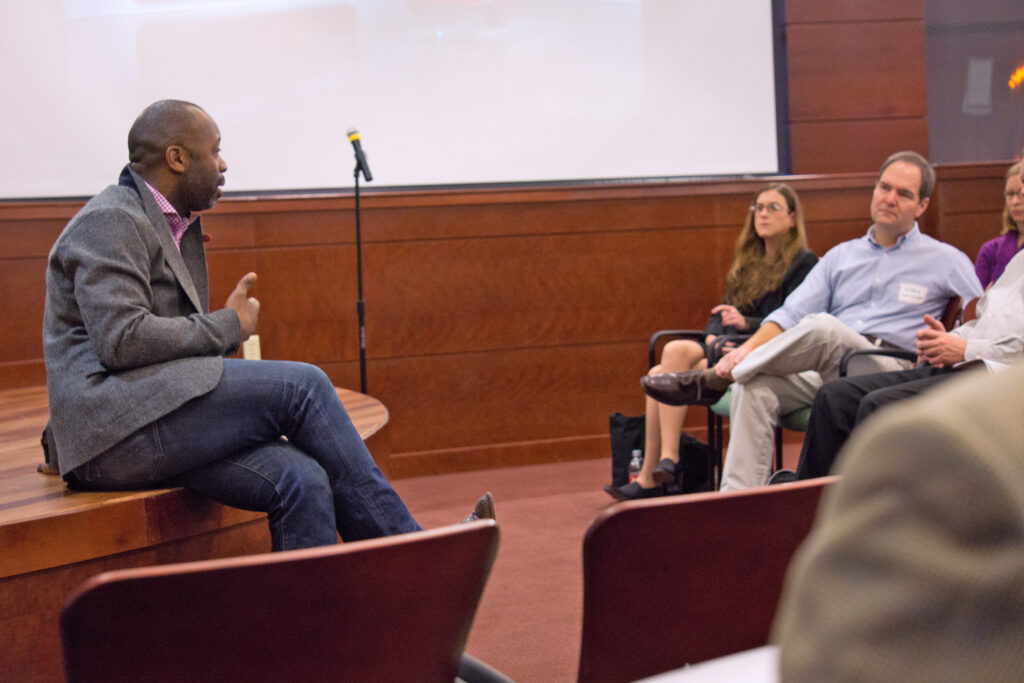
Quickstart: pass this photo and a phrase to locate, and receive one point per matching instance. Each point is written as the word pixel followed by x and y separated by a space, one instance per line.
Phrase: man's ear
pixel 176 157
pixel 922 206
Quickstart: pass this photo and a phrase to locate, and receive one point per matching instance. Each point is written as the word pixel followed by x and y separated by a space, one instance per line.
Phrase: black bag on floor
pixel 627 433
pixel 697 458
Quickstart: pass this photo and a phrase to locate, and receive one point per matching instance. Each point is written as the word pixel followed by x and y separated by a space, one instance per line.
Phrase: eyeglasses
pixel 774 207
pixel 1010 194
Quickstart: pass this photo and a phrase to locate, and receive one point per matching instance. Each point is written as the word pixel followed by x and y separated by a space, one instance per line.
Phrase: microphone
pixel 353 137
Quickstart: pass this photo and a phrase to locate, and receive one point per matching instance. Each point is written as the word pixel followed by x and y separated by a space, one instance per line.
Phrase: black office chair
pixel 714 421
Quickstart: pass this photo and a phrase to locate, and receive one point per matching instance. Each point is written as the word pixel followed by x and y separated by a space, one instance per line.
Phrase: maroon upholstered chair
pixel 395 608
pixel 682 579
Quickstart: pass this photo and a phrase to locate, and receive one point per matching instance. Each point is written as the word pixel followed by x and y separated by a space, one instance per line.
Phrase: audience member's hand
pixel 723 368
pixel 247 307
pixel 936 346
pixel 731 317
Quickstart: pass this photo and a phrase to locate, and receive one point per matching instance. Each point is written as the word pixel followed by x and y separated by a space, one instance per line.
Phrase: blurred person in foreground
pixel 914 570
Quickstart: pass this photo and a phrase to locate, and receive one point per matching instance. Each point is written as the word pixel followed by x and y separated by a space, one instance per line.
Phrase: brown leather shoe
pixel 681 388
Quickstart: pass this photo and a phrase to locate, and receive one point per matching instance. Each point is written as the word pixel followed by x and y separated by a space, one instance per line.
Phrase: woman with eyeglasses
pixel 771 260
pixel 997 252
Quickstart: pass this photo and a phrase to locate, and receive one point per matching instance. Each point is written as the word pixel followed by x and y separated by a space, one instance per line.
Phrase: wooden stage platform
pixel 52 538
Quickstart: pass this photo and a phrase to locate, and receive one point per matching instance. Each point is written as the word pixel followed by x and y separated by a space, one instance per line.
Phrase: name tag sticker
pixel 912 294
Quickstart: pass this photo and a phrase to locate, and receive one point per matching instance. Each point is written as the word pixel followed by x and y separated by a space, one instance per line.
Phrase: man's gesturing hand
pixel 938 347
pixel 247 307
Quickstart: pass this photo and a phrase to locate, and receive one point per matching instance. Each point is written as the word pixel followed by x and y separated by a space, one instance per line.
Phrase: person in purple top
pixel 997 252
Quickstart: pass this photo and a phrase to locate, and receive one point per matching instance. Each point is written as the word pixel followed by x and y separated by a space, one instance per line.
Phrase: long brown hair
pixel 750 277
pixel 1008 224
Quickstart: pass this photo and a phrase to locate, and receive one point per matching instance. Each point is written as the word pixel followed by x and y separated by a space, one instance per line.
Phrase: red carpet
pixel 529 622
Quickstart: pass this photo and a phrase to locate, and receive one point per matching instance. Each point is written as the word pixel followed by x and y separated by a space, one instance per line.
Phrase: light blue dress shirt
pixel 883 292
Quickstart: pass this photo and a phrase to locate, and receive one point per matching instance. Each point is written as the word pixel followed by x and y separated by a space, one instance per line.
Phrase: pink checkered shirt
pixel 177 224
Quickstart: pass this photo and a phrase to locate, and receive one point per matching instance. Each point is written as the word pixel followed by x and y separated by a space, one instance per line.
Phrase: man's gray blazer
pixel 127 336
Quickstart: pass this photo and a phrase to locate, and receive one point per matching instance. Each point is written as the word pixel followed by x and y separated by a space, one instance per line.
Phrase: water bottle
pixel 635 463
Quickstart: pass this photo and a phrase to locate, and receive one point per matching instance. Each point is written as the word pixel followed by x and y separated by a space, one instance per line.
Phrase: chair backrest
pixel 970 311
pixel 395 608
pixel 951 315
pixel 679 580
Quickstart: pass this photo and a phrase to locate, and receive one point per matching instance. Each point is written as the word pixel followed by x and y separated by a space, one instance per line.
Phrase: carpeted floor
pixel 529 622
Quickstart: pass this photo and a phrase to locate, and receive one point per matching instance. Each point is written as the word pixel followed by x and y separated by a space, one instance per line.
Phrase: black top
pixel 801 264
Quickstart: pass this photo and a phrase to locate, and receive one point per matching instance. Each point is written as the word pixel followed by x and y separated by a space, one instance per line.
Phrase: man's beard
pixel 200 192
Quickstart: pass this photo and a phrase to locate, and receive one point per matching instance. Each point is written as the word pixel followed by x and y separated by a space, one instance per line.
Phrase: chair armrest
pixel 652 345
pixel 715 352
pixel 844 362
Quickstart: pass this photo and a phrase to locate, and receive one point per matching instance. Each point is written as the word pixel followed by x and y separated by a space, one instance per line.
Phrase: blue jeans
pixel 227 445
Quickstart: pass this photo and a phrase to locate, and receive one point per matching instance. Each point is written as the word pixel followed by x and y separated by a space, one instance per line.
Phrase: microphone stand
pixel 360 304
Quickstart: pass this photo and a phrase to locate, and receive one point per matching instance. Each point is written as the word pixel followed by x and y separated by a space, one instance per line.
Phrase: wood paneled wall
pixel 856 80
pixel 502 326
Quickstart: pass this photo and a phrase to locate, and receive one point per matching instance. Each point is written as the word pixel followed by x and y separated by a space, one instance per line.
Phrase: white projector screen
pixel 443 92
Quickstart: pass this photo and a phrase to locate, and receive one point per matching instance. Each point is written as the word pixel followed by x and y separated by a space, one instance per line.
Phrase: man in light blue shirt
pixel 873 291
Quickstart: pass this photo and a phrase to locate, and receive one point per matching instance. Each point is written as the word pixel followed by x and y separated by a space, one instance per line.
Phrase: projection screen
pixel 443 92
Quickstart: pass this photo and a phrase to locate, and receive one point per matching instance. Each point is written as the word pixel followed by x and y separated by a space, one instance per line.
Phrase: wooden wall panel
pixel 856 80
pixel 538 291
pixel 809 11
pixel 972 193
pixel 307 302
pixel 27 231
pixel 826 234
pixel 503 326
pixel 670 206
pixel 449 402
pixel 878 76
pixel 23 302
pixel 969 208
pixel 23 373
pixel 973 229
pixel 27 236
pixel 839 146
